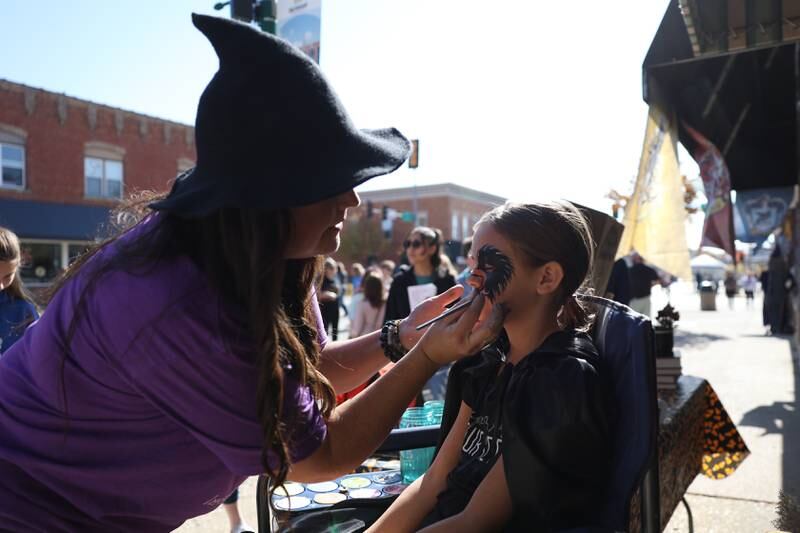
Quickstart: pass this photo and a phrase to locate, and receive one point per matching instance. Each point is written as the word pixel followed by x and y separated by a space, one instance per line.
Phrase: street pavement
pixel 756 377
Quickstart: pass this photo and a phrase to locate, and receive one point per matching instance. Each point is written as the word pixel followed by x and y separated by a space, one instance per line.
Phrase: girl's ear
pixel 551 275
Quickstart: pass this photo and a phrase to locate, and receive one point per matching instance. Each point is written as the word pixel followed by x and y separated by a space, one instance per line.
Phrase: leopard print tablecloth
pixel 695 435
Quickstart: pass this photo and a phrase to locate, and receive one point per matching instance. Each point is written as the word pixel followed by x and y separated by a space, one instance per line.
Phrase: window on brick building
pixel 12 157
pixel 454 233
pixel 103 178
pixel 103 170
pixel 422 218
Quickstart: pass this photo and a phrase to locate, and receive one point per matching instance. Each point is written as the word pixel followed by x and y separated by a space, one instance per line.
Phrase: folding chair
pixel 624 340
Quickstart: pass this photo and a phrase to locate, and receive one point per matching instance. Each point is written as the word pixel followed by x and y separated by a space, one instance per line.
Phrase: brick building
pixel 66 162
pixel 451 208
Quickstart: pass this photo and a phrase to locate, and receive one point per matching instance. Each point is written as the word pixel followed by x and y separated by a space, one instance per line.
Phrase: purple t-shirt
pixel 161 420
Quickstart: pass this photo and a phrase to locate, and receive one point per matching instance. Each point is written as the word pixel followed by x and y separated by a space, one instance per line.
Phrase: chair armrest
pixel 410 439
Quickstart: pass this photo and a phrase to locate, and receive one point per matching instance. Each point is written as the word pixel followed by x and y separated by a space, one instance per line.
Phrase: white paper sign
pixel 417 293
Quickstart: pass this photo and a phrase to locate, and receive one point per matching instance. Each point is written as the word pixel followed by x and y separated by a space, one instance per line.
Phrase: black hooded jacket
pixel 549 417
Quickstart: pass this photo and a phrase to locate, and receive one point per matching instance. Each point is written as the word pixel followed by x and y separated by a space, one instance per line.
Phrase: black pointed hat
pixel 271 133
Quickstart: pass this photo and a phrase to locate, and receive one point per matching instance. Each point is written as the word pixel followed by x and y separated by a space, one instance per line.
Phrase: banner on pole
pixel 655 216
pixel 758 212
pixel 718 226
pixel 299 23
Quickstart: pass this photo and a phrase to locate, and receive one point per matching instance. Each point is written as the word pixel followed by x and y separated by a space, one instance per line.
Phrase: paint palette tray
pixel 295 497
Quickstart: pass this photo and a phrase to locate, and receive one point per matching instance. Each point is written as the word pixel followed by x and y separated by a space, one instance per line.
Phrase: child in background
pixel 369 313
pixel 535 400
pixel 16 306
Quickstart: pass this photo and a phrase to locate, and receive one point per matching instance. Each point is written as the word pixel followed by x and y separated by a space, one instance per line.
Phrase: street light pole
pixel 413 162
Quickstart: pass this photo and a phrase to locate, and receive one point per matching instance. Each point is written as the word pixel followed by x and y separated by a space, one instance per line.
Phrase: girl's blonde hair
pixel 10 251
pixel 551 231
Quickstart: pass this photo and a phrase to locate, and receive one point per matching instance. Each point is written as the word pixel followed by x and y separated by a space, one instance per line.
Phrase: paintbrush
pixel 460 305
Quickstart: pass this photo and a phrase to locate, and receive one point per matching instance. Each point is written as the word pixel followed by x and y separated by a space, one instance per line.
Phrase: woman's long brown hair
pixel 241 252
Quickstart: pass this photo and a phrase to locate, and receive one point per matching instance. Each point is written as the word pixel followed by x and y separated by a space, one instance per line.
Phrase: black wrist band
pixel 390 341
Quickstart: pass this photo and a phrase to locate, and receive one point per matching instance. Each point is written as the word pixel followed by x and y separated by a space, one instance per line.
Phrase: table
pixel 695 435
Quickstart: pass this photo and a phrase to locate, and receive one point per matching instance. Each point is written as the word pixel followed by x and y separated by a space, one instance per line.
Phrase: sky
pixel 526 100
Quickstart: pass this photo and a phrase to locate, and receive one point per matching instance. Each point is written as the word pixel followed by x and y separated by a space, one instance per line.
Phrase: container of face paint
pixel 297 498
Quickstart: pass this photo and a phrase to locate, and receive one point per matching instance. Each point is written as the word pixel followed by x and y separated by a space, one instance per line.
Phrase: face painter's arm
pixel 348 364
pixel 357 427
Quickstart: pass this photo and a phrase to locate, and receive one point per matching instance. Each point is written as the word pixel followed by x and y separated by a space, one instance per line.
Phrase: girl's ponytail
pixel 575 315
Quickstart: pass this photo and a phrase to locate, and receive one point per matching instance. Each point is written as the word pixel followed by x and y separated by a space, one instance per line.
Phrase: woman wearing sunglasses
pixel 423 249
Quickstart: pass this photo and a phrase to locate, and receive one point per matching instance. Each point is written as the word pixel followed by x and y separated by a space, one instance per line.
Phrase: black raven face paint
pixel 495 268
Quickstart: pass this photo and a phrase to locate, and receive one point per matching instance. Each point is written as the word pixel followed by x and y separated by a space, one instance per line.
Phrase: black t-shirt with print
pixel 548 416
pixel 483 389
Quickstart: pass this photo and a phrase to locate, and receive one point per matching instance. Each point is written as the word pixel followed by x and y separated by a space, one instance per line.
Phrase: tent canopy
pixel 742 101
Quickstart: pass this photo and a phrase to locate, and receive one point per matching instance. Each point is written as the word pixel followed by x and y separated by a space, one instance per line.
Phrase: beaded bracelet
pixel 390 341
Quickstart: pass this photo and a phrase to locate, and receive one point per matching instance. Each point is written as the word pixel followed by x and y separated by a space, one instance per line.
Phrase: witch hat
pixel 271 133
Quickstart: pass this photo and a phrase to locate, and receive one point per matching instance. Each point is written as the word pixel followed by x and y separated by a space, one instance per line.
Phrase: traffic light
pixel 242 10
pixel 413 159
pixel 266 15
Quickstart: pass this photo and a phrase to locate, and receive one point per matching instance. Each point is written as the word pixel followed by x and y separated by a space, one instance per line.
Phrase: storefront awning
pixel 742 101
pixel 44 220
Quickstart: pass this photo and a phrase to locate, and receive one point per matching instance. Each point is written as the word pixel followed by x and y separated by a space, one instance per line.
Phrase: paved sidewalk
pixel 756 379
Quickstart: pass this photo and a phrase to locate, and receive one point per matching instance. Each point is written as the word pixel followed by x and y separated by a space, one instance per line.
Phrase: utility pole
pixel 413 162
pixel 263 12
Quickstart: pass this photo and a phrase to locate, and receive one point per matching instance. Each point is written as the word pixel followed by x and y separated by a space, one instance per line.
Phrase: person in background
pixel 16 306
pixel 461 279
pixel 356 275
pixel 356 295
pixel 777 308
pixel 235 520
pixel 427 265
pixel 368 316
pixel 749 284
pixel 447 264
pixel 619 283
pixel 642 278
pixel 423 248
pixel 329 298
pixel 388 267
pixel 342 279
pixel 731 287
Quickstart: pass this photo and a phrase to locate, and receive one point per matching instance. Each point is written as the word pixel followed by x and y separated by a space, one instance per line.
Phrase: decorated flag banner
pixel 760 211
pixel 718 226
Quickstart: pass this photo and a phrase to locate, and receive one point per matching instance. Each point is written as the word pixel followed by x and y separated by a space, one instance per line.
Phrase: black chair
pixel 625 341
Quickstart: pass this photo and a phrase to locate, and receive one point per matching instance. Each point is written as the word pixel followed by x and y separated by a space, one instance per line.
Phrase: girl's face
pixel 317 227
pixel 505 277
pixel 418 250
pixel 8 270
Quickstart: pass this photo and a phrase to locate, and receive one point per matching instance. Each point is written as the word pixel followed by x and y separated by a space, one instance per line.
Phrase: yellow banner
pixel 655 216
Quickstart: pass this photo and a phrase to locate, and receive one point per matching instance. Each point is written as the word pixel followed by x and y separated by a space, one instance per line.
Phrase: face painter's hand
pixel 427 309
pixel 457 336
